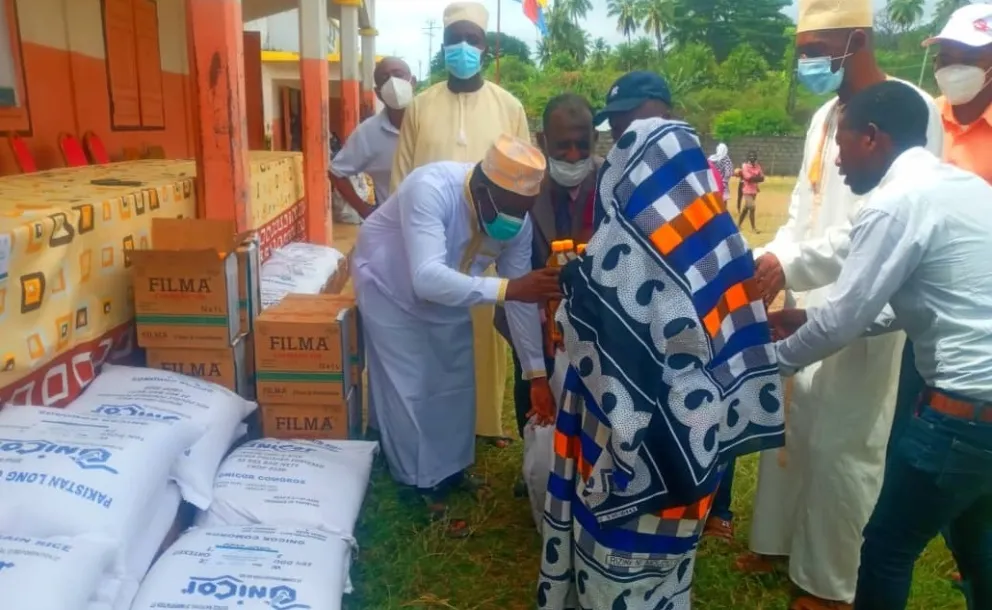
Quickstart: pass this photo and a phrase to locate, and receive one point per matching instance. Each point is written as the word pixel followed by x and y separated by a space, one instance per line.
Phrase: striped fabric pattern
pixel 671 372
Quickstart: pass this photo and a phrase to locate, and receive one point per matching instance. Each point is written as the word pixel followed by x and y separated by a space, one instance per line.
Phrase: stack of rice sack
pixel 89 494
pixel 278 534
pixel 299 268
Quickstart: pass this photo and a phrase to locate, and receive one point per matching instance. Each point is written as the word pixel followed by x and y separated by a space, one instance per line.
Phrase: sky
pixel 402 24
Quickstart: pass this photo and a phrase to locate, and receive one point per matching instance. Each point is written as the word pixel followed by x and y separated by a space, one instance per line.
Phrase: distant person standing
pixel 458 120
pixel 751 176
pixel 725 169
pixel 371 147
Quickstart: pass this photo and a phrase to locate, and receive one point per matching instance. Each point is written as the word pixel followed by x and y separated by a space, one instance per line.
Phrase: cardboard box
pixel 352 317
pixel 186 287
pixel 301 347
pixel 228 367
pixel 249 284
pixel 312 421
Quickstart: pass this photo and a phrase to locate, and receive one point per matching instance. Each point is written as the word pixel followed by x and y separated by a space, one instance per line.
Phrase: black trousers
pixel 521 391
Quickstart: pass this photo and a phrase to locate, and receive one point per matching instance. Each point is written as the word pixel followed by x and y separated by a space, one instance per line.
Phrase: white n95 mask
pixel 397 93
pixel 959 83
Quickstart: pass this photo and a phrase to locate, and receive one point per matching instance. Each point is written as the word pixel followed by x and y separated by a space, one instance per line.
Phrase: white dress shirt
pixel 369 150
pixel 923 244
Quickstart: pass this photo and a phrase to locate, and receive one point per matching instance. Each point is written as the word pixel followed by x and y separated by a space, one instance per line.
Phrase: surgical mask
pixel 568 174
pixel 817 75
pixel 503 227
pixel 462 60
pixel 397 93
pixel 961 84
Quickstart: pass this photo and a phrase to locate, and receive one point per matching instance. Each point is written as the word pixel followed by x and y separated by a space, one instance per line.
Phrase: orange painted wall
pixel 67 90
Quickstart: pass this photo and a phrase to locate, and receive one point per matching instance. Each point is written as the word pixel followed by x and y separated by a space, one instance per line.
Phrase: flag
pixel 534 10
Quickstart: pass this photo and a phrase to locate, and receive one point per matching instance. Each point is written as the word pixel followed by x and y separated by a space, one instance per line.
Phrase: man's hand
pixel 542 402
pixel 535 287
pixel 770 277
pixel 785 322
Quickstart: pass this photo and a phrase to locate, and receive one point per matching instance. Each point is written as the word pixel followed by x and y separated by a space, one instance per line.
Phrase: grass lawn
pixel 405 562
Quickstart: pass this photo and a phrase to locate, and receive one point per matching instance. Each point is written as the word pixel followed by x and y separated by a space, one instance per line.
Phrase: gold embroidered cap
pixel 514 165
pixel 816 15
pixel 473 12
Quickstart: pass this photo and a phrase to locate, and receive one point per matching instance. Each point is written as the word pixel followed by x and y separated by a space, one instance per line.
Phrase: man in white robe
pixel 458 120
pixel 815 497
pixel 418 269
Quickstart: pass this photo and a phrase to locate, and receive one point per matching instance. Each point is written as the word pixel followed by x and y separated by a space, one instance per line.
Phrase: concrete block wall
pixel 780 156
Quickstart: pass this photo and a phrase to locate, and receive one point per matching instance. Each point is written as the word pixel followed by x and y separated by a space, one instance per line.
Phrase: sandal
pixel 753 563
pixel 438 512
pixel 718 528
pixel 500 442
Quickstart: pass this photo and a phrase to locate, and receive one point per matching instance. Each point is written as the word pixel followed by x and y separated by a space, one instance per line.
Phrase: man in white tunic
pixel 457 120
pixel 418 269
pixel 815 497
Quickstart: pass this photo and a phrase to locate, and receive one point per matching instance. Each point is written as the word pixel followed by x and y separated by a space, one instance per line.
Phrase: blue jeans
pixel 911 387
pixel 939 475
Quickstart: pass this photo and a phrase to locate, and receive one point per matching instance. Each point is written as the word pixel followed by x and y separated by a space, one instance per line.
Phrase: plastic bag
pixel 538 451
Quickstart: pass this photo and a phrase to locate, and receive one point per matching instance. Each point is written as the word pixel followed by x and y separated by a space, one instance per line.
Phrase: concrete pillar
pixel 368 69
pixel 314 29
pixel 350 75
pixel 218 96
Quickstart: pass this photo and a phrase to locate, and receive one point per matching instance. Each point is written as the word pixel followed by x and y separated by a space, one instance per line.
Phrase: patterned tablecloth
pixel 65 302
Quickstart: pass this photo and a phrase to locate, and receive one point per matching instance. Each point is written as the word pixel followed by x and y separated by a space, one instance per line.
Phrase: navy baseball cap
pixel 631 90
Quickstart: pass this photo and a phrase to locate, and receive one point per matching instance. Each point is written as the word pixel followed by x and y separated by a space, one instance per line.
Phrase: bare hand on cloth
pixel 785 322
pixel 535 287
pixel 770 277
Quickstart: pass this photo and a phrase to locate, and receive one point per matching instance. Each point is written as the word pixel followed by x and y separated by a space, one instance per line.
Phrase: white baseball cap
pixel 969 25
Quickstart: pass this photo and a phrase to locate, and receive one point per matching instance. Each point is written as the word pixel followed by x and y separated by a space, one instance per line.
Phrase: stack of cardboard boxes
pixel 196 295
pixel 198 312
pixel 308 367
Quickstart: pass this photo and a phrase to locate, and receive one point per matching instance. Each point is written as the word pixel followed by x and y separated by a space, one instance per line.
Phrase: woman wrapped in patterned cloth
pixel 672 372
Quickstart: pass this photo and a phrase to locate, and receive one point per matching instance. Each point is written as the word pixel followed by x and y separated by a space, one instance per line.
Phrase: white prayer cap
pixel 969 25
pixel 816 15
pixel 473 12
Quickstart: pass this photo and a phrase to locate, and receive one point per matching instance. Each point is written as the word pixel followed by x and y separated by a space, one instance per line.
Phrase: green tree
pixel 509 46
pixel 563 36
pixel 905 13
pixel 657 18
pixel 638 55
pixel 744 65
pixel 628 16
pixel 574 10
pixel 723 25
pixel 599 53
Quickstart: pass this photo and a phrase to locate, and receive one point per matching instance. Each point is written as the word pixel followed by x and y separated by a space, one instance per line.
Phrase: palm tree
pixel 905 13
pixel 599 53
pixel 574 10
pixel 563 36
pixel 657 16
pixel 627 14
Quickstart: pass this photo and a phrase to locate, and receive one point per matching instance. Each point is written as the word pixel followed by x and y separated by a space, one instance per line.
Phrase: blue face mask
pixel 503 227
pixel 462 60
pixel 817 75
